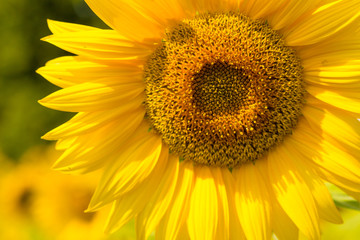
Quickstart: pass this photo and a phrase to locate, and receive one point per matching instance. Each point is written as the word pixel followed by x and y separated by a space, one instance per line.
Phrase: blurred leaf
pixel 353 204
pixel 341 199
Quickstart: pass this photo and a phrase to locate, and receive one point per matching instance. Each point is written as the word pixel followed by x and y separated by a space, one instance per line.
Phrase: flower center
pixel 25 200
pixel 220 88
pixel 223 89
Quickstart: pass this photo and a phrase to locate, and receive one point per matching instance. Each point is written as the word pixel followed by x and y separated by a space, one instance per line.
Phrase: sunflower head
pixel 212 119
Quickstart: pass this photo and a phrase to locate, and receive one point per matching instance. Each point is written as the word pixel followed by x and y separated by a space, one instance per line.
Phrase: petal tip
pixel 46 39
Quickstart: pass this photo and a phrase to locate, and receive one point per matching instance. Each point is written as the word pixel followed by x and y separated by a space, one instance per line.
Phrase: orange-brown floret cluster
pixel 222 89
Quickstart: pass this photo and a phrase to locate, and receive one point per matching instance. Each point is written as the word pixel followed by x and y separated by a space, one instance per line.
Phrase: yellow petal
pixel 134 163
pixel 283 226
pixel 339 68
pixel 235 229
pixel 325 205
pixel 223 198
pixel 335 69
pixel 355 195
pixel 334 165
pixel 290 12
pixel 253 202
pixel 335 126
pixel 323 23
pixel 337 49
pixel 57 27
pixel 105 45
pixel 91 151
pixel 343 45
pixel 65 143
pixel 70 70
pixel 83 123
pixel 346 81
pixel 165 12
pixel 123 17
pixel 177 213
pixel 257 9
pixel 292 192
pixel 203 214
pixel 89 97
pixel 347 100
pixel 183 233
pixel 202 6
pixel 158 204
pixel 132 203
pixel 333 63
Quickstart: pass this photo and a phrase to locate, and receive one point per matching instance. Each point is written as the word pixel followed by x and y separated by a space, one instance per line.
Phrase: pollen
pixel 223 89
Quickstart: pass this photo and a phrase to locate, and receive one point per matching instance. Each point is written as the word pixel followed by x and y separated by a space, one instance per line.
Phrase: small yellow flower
pixel 212 119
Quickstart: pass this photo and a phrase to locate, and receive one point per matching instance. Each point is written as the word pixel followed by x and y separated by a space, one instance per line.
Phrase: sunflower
pixel 212 119
pixel 17 188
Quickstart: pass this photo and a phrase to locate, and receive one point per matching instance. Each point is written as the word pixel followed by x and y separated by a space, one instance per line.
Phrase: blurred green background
pixel 22 24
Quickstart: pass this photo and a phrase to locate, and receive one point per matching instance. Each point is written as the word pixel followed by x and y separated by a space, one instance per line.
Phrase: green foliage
pixel 341 199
